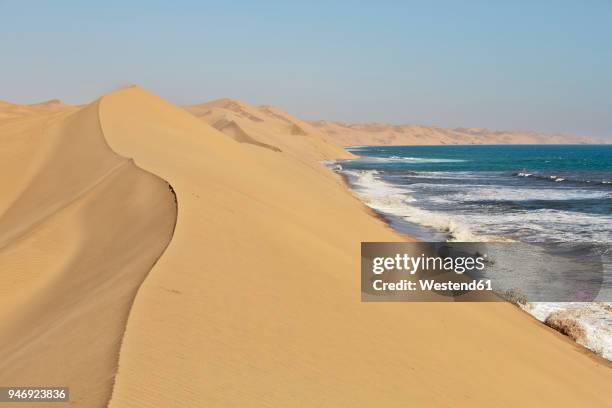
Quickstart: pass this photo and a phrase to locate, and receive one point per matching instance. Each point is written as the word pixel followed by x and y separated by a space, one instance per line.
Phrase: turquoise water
pixel 522 192
pixel 533 194
pixel 499 157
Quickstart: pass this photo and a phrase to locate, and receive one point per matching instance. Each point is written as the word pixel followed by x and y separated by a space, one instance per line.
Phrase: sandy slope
pixel 256 300
pixel 386 134
pixel 80 228
pixel 268 127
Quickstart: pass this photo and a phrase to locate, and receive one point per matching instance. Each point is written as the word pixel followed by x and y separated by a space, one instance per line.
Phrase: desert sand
pixel 242 292
pixel 10 110
pixel 268 126
pixel 80 229
pixel 362 134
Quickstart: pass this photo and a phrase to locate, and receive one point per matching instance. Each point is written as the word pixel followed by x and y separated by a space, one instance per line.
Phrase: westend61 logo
pixel 483 272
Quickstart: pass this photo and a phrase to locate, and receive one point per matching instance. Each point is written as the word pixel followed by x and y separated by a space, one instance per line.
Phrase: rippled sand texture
pixel 255 301
pixel 80 229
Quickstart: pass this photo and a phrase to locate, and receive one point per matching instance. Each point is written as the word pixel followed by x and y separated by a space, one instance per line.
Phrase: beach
pixel 160 256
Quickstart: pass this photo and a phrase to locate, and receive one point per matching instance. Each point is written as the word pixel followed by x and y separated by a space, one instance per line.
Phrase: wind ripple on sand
pixel 80 229
pixel 255 301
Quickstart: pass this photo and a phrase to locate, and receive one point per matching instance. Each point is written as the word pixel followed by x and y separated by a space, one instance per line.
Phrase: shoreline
pixel 565 330
pixel 369 210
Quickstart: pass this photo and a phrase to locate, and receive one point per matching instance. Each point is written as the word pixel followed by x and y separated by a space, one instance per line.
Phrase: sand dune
pixel 268 312
pixel 51 104
pixel 268 127
pixel 233 130
pixel 386 134
pixel 12 110
pixel 255 301
pixel 80 229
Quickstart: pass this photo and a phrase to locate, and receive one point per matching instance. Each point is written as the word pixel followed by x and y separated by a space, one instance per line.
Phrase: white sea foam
pixel 532 225
pixel 542 225
pixel 394 200
pixel 395 159
pixel 480 192
pixel 595 320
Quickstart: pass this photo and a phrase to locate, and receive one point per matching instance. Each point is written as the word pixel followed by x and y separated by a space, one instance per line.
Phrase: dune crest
pixel 80 228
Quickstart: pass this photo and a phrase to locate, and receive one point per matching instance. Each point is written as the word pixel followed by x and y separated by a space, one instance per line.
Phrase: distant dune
pixel 10 110
pixel 385 134
pixel 268 127
pixel 152 258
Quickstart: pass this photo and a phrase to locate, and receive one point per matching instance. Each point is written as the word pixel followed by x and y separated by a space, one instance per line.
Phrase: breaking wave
pixel 392 200
pixel 400 159
pixel 558 178
pixel 588 324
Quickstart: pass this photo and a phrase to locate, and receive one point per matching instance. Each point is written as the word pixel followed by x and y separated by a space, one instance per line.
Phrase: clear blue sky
pixel 530 65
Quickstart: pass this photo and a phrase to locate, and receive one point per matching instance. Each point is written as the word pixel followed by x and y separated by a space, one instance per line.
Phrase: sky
pixel 512 65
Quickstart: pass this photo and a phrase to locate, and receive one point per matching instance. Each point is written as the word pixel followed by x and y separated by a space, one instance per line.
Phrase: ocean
pixel 526 193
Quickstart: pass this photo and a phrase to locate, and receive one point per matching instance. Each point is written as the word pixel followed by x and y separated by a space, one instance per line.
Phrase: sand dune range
pixel 268 126
pixel 360 134
pixel 255 300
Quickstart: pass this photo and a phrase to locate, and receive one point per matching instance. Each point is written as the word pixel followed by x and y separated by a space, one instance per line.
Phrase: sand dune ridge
pixel 81 228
